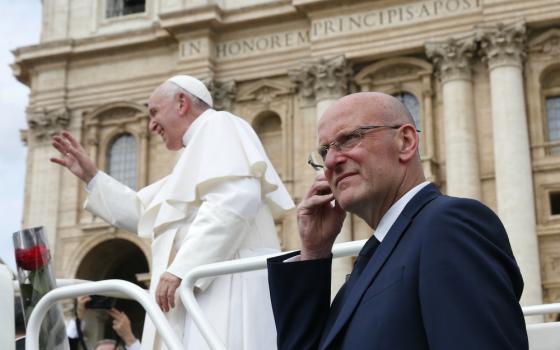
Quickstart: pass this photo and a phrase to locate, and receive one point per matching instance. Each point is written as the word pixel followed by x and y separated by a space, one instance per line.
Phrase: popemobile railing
pixel 542 336
pixel 235 266
pixel 114 288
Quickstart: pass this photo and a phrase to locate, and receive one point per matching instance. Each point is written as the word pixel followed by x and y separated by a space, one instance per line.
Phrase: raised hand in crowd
pixel 121 325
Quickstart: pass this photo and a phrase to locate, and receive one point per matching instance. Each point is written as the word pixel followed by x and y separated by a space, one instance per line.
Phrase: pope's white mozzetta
pixel 219 203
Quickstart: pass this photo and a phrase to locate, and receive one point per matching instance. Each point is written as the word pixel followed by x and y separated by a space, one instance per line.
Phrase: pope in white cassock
pixel 219 203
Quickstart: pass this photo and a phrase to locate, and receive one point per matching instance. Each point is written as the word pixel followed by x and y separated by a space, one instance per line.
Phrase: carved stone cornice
pixel 43 124
pixel 265 91
pixel 452 57
pixel 547 43
pixel 503 45
pixel 223 93
pixel 325 78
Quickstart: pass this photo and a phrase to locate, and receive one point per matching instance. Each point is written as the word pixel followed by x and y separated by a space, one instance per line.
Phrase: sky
pixel 20 26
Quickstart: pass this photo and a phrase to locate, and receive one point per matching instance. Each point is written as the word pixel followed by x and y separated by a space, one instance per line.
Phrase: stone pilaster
pixel 503 48
pixel 453 61
pixel 322 82
pixel 223 94
pixel 44 177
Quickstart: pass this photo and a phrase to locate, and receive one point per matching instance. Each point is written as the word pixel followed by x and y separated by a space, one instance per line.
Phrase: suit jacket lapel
pixel 353 297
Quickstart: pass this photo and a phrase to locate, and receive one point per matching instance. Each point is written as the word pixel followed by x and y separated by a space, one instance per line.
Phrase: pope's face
pixel 365 175
pixel 165 119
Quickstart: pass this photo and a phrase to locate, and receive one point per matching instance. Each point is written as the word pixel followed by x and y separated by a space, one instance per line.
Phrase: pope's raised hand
pixel 74 156
pixel 319 221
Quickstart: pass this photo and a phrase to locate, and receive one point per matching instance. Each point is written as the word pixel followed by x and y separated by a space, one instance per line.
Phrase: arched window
pixel 269 128
pixel 411 103
pixel 122 159
pixel 553 122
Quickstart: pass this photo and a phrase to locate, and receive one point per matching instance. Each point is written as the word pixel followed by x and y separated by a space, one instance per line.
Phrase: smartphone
pixel 100 302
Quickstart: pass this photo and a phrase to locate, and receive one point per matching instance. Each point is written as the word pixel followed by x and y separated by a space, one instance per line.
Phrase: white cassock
pixel 219 203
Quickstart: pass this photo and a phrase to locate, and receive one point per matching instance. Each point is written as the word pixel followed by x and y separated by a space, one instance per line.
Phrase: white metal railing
pixel 115 288
pixel 541 309
pixel 234 266
pixel 543 335
pixel 119 288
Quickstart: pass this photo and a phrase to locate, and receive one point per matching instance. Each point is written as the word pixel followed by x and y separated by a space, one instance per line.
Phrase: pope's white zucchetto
pixel 193 86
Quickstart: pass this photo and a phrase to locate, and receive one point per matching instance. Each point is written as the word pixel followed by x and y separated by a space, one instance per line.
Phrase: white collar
pixel 393 213
pixel 194 126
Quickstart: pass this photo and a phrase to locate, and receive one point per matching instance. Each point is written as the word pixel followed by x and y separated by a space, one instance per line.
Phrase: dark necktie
pixel 361 261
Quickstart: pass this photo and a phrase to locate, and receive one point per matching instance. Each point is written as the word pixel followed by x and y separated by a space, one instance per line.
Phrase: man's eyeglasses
pixel 344 143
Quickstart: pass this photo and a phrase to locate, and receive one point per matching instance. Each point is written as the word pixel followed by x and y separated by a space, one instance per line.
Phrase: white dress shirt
pixel 396 209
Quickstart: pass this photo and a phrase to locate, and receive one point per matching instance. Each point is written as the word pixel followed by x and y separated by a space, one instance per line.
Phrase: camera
pixel 100 302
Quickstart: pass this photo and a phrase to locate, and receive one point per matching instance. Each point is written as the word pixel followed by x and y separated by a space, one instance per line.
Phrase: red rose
pixel 32 258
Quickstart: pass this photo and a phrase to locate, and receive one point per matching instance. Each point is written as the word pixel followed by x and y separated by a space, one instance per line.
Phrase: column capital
pixel 43 124
pixel 223 93
pixel 503 44
pixel 452 57
pixel 324 78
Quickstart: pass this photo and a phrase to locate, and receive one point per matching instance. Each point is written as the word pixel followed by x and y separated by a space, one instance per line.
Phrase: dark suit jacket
pixel 443 278
pixel 20 344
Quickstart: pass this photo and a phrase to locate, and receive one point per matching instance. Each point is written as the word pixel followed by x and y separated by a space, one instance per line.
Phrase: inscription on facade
pixel 417 11
pixel 246 47
pixel 264 43
pixel 413 12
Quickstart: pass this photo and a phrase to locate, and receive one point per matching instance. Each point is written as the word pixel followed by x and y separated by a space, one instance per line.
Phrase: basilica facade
pixel 481 78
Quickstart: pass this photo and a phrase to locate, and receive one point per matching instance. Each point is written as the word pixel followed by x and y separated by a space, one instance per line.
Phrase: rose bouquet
pixel 35 280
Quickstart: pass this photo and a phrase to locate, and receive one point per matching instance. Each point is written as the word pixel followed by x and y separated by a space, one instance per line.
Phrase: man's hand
pixel 121 325
pixel 74 157
pixel 165 291
pixel 319 221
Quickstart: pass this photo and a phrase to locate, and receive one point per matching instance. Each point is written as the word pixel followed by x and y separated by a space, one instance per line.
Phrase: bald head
pixel 167 90
pixel 381 107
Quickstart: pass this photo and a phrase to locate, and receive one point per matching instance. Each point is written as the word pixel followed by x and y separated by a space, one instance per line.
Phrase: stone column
pixel 452 58
pixel 43 177
pixel 328 79
pixel 503 48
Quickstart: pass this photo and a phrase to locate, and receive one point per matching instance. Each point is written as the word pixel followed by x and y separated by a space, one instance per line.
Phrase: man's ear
pixel 408 142
pixel 183 103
